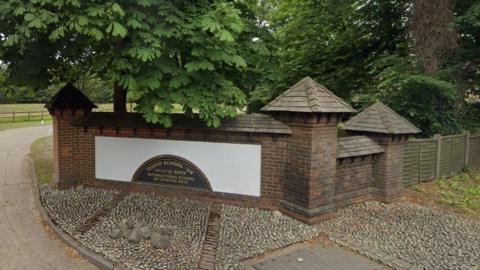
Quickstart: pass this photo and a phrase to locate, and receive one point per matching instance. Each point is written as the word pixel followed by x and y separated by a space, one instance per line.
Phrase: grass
pixel 37 107
pixel 42 154
pixel 10 125
pixel 460 193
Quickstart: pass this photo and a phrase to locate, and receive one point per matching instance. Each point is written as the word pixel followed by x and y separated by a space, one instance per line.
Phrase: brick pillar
pixel 388 167
pixel 65 107
pixel 310 169
pixel 66 147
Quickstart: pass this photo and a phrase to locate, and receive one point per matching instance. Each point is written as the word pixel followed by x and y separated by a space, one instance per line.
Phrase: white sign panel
pixel 230 168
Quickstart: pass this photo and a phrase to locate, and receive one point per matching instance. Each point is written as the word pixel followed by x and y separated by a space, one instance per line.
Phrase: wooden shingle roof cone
pixel 69 97
pixel 308 96
pixel 379 118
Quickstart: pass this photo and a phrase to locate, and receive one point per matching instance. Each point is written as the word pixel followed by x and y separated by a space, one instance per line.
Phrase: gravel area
pixel 71 207
pixel 417 236
pixel 186 219
pixel 247 232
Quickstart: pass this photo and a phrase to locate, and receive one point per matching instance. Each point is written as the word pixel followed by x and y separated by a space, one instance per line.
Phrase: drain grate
pixel 103 211
pixel 210 245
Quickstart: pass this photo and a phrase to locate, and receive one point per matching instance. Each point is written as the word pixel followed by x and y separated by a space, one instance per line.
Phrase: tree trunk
pixel 119 98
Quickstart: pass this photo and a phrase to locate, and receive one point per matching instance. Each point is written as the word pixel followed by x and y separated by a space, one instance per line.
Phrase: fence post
pixel 438 137
pixel 467 147
pixel 41 115
pixel 13 116
pixel 28 116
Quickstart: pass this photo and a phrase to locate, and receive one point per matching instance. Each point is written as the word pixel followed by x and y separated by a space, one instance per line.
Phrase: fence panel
pixel 474 152
pixel 419 161
pixel 411 163
pixel 452 154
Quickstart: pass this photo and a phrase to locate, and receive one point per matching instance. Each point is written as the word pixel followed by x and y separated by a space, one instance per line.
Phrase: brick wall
pixel 68 164
pixel 354 180
pixel 310 165
pixel 388 167
pixel 78 158
pixel 300 172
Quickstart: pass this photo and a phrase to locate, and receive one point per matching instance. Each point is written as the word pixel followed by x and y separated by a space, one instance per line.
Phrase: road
pixel 25 243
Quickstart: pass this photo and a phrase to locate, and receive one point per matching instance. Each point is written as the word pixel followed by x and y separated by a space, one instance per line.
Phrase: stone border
pixel 93 258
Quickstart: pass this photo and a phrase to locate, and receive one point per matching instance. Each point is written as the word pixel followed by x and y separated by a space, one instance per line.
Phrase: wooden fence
pixel 428 159
pixel 23 116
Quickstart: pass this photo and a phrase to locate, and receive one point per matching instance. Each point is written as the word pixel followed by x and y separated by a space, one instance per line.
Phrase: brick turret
pixel 390 131
pixel 312 112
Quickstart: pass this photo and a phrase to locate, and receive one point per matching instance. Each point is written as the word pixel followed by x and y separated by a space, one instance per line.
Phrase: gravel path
pixel 420 237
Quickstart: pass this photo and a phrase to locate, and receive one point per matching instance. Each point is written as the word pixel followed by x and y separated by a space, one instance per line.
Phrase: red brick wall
pixel 272 168
pixel 388 168
pixel 310 164
pixel 354 180
pixel 300 173
pixel 66 146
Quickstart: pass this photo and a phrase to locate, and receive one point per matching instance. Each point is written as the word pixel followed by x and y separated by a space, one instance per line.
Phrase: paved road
pixel 314 257
pixel 25 244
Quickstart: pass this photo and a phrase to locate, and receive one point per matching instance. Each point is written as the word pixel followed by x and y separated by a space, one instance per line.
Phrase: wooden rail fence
pixel 24 116
pixel 428 159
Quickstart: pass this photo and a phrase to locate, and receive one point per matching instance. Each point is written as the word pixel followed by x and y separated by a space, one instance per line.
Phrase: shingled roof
pixel 251 123
pixel 308 96
pixel 356 146
pixel 379 118
pixel 69 97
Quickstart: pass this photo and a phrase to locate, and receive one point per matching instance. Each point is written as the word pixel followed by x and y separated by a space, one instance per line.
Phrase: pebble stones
pixel 248 232
pixel 71 207
pixel 152 232
pixel 157 221
pixel 408 234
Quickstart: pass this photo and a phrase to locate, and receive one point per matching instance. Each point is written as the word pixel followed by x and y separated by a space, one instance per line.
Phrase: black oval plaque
pixel 173 171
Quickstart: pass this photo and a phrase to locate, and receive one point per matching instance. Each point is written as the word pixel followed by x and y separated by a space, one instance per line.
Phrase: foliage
pixel 336 42
pixel 425 101
pixel 192 53
pixel 460 192
pixel 388 50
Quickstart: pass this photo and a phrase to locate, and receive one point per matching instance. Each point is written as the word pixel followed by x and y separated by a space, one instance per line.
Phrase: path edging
pixel 95 259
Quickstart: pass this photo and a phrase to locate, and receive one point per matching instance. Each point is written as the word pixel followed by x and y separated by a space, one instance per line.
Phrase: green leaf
pixel 37 23
pixel 116 8
pixel 56 34
pixel 96 34
pixel 134 24
pixel 19 11
pixel 117 30
pixel 224 35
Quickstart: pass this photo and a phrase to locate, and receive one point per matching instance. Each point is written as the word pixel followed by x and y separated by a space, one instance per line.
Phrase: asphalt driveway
pixel 26 244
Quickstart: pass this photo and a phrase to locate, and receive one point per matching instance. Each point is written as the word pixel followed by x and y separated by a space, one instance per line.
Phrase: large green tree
pixel 162 52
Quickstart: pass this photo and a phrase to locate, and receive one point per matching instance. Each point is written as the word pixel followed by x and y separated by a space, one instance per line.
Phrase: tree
pixel 163 52
pixel 337 42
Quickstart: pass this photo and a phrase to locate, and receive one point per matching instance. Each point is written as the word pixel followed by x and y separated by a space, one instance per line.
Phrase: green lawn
pixel 460 193
pixel 10 125
pixel 8 108
pixel 42 154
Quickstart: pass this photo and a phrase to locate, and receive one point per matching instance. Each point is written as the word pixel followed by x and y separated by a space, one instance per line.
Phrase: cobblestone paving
pixel 407 236
pixel 243 233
